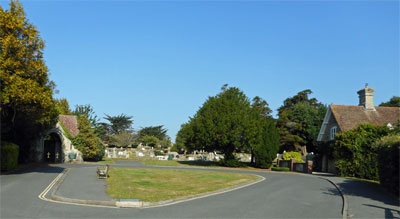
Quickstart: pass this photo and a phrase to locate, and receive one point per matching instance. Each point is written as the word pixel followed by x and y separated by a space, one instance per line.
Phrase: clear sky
pixel 158 61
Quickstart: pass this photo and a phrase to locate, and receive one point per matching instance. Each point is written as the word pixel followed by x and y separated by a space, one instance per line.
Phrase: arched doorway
pixel 52 148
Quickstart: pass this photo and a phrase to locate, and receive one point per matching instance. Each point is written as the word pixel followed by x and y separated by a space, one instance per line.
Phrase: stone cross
pixel 57 155
pixel 48 155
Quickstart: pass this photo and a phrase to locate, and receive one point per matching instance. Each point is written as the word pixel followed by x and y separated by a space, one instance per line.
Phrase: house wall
pixel 331 123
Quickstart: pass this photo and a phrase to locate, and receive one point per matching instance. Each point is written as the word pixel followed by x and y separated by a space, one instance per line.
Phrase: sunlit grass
pixel 152 185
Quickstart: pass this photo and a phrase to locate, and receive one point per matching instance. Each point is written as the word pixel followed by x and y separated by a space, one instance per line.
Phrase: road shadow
pixel 368 190
pixel 388 211
pixel 35 167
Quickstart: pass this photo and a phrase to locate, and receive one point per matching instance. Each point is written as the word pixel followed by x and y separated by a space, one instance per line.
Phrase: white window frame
pixel 332 133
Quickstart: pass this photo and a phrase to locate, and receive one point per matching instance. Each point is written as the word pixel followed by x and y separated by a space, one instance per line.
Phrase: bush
pixel 9 156
pixel 280 169
pixel 388 149
pixel 295 155
pixel 354 152
pixel 231 163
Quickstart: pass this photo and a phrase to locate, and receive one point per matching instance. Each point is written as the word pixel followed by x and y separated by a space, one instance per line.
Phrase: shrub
pixel 231 163
pixel 388 149
pixel 280 169
pixel 354 152
pixel 9 156
pixel 295 155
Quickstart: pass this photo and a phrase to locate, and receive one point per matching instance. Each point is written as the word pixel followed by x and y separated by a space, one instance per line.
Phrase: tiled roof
pixel 349 117
pixel 70 123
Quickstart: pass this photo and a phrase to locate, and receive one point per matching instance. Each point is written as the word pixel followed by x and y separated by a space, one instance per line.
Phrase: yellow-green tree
pixel 87 141
pixel 27 104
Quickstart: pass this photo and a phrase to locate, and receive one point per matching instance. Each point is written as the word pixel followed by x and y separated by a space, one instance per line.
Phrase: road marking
pixel 50 186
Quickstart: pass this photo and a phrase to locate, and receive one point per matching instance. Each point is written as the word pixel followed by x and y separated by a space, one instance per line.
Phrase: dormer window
pixel 333 131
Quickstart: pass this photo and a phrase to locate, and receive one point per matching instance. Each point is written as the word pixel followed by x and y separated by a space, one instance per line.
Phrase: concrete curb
pixel 139 204
pixel 345 208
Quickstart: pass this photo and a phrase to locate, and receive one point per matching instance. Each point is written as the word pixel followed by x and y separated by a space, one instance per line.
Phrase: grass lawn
pixel 106 160
pixel 188 163
pixel 151 185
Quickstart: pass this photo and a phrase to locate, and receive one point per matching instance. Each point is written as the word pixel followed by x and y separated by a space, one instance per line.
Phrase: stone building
pixel 54 146
pixel 340 118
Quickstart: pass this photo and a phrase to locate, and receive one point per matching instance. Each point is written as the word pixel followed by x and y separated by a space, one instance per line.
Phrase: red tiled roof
pixel 71 123
pixel 349 117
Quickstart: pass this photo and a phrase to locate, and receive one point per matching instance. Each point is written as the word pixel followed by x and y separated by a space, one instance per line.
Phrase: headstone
pixel 114 153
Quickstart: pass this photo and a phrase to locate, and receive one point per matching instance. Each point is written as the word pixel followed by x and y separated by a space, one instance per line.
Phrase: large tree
pixel 157 131
pixel 27 104
pixel 300 119
pixel 119 123
pixel 229 123
pixel 262 136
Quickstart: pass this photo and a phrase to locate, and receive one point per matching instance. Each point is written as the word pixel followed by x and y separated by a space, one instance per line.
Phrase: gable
pixel 70 123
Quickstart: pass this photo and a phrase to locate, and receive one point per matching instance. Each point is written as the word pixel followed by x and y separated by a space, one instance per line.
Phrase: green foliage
pixel 280 169
pixel 156 131
pixel 119 123
pixel 88 111
pixel 63 106
pixel 262 135
pixel 9 156
pixel 233 162
pixel 388 149
pixel 394 101
pixel 87 141
pixel 219 125
pixel 229 123
pixel 123 139
pixel 149 140
pixel 27 106
pixel 354 152
pixel 295 155
pixel 300 119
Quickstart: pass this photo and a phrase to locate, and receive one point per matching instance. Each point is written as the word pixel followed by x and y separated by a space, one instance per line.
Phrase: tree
pixel 394 101
pixel 300 119
pixel 26 97
pixel 156 131
pixel 262 136
pixel 150 140
pixel 220 124
pixel 119 123
pixel 88 111
pixel 123 139
pixel 87 141
pixel 228 123
pixel 63 106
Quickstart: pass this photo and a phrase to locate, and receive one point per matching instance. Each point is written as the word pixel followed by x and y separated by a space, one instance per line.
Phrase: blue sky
pixel 158 61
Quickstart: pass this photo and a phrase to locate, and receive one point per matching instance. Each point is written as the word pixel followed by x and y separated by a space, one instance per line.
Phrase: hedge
pixel 295 155
pixel 280 169
pixel 388 162
pixel 9 156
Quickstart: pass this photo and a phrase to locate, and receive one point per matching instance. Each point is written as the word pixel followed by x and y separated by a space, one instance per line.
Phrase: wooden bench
pixel 103 173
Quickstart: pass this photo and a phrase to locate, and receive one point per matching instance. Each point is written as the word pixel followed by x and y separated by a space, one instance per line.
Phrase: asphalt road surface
pixel 279 196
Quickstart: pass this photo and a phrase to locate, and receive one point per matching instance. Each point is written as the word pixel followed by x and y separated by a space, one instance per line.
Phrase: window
pixel 333 131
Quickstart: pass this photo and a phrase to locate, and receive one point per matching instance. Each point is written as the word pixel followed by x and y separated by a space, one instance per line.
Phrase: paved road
pixel 279 196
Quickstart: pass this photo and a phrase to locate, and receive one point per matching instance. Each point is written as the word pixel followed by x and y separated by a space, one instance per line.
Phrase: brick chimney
pixel 366 96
